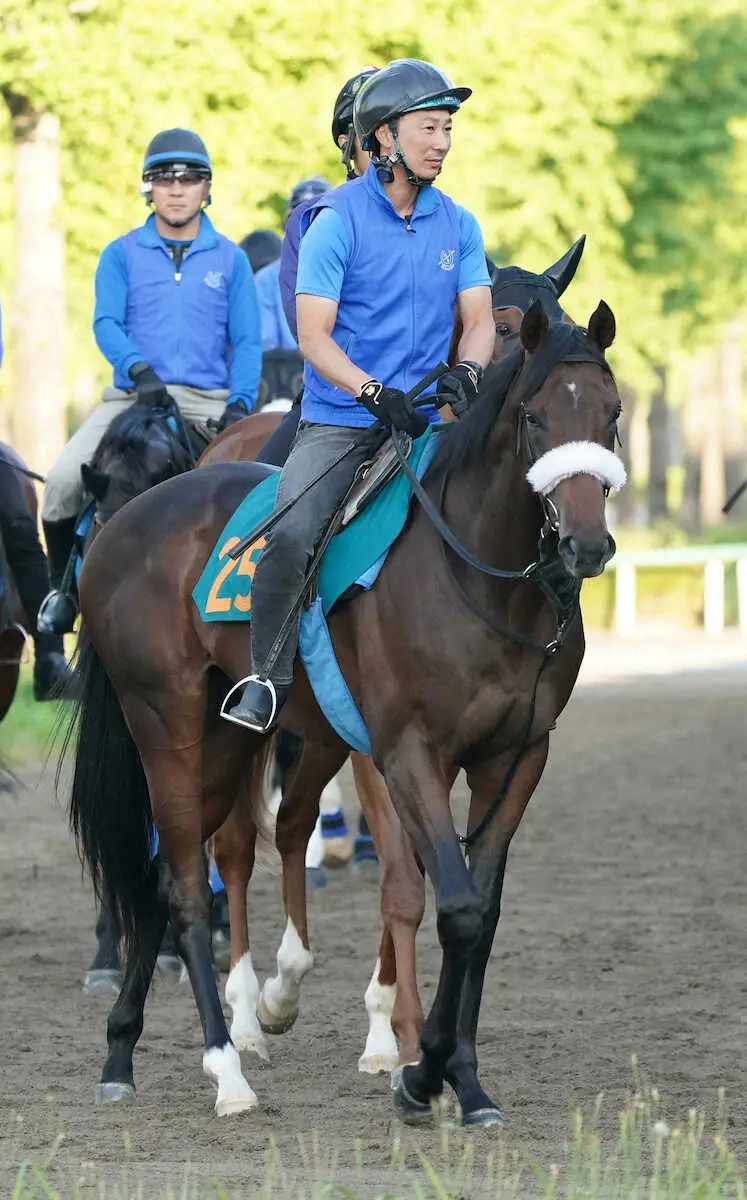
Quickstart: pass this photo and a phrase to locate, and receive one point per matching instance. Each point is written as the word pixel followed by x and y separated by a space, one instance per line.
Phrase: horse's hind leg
pixel 394 1011
pixel 105 972
pixel 234 846
pixel 168 730
pixel 302 787
pixel 125 1022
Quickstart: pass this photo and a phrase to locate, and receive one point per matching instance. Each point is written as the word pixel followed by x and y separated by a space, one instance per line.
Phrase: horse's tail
pixel 109 810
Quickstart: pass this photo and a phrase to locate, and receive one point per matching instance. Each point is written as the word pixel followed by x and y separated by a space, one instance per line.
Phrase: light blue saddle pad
pixel 355 555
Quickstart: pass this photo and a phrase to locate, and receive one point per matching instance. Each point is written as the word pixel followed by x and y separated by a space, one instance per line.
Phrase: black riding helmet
pixel 306 189
pixel 405 85
pixel 261 248
pixel 342 116
pixel 176 147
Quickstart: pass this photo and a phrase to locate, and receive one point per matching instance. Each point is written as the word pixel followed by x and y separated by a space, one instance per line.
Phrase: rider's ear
pixel 534 327
pixel 95 482
pixel 602 326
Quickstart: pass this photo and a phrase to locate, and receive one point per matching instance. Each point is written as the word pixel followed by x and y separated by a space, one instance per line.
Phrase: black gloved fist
pixel 459 387
pixel 233 412
pixel 392 408
pixel 151 390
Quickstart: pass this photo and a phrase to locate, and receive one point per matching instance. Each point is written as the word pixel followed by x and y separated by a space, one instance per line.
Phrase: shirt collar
pixel 206 235
pixel 426 202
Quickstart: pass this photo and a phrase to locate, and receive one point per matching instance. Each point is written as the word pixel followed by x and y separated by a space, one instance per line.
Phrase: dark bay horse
pixel 13 619
pixel 450 667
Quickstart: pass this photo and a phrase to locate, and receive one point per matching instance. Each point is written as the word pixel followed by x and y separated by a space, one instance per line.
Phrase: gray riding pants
pixel 284 560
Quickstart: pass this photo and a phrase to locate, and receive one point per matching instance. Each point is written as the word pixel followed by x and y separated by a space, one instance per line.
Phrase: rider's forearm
pixel 331 362
pixel 110 312
pixel 477 341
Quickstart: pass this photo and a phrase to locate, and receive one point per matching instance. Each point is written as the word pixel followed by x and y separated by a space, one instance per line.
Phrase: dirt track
pixel 624 930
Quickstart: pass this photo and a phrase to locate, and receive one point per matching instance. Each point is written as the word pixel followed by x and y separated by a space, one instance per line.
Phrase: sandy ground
pixel 624 931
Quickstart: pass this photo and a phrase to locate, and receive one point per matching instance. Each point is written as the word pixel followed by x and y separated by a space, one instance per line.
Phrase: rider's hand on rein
pixel 459 387
pixel 392 407
pixel 151 390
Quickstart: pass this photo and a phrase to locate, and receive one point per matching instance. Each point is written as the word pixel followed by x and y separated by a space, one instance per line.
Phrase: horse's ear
pixel 534 327
pixel 602 326
pixel 95 482
pixel 561 273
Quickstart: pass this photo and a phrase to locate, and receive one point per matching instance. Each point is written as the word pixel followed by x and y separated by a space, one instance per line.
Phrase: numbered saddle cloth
pixel 354 556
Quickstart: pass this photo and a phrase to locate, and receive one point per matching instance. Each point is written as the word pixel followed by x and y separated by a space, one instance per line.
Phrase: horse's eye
pixel 502 329
pixel 616 415
pixel 533 420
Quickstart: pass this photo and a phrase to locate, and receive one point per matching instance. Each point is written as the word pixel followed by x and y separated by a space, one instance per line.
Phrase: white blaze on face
pixel 576 458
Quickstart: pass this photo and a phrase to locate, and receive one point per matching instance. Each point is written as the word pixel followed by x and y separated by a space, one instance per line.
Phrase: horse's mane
pixel 460 443
pixel 129 436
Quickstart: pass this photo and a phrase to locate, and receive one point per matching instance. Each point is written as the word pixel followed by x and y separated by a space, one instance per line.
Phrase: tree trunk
pixel 712 455
pixel 38 317
pixel 733 420
pixel 658 462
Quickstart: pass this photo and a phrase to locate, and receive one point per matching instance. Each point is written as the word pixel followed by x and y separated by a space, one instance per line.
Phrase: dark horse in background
pixel 14 622
pixel 461 656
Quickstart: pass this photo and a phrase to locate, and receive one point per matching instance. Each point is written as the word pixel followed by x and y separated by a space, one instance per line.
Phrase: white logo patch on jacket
pixel 214 279
pixel 446 260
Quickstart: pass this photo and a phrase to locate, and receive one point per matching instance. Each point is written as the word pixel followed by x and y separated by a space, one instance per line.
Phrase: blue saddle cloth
pixel 354 556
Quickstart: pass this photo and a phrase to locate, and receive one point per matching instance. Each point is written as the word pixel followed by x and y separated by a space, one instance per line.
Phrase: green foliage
pixel 627 122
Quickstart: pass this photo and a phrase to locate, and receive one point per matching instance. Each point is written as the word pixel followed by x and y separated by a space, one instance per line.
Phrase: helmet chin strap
pixel 384 166
pixel 348 150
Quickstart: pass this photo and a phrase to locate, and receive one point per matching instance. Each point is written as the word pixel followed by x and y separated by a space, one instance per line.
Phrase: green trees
pixel 626 121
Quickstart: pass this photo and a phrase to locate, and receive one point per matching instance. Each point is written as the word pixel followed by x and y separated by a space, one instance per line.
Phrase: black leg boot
pixel 60 607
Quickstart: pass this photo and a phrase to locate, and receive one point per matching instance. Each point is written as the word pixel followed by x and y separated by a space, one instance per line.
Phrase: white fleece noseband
pixel 576 458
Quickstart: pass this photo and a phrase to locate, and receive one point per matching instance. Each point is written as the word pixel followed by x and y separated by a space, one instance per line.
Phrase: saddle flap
pixel 372 477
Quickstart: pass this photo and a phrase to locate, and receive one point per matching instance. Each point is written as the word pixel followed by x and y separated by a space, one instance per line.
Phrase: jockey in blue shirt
pixel 276 334
pixel 386 263
pixel 176 316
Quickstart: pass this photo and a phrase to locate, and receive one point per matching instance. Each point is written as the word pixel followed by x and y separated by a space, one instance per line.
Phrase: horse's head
pixel 568 412
pixel 137 451
pixel 514 290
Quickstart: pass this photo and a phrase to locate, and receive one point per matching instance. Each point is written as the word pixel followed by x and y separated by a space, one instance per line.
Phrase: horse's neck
pixel 492 507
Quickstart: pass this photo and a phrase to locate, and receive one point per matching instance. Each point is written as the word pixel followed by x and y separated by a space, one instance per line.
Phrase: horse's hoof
pixel 236 1104
pixel 409 1110
pixel 252 1045
pixel 338 852
pixel 102 981
pixel 367 867
pixel 377 1064
pixel 316 877
pixel 114 1093
pixel 484 1118
pixel 270 1022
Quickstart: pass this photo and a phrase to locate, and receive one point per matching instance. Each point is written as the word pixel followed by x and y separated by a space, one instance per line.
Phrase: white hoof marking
pixel 242 994
pixel 315 847
pixel 381 1052
pixel 223 1066
pixel 281 995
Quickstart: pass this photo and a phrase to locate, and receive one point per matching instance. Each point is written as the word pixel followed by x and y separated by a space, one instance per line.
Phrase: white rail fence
pixel 713 560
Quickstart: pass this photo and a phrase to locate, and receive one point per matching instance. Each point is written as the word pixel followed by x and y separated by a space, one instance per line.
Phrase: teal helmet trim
pixel 448 101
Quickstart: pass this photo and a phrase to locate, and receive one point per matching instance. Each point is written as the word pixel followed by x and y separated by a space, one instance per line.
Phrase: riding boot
pixel 59 608
pixel 52 675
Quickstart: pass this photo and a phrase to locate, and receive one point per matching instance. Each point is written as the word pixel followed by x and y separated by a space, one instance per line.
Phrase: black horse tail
pixel 109 809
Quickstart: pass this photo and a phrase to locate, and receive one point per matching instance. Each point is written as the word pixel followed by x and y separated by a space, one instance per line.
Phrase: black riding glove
pixel 459 387
pixel 392 408
pixel 151 390
pixel 235 411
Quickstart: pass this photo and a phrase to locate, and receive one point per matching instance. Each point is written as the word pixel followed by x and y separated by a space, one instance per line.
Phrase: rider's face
pixel 424 138
pixel 177 201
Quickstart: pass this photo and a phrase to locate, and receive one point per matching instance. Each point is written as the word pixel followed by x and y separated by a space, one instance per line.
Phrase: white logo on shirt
pixel 214 278
pixel 446 261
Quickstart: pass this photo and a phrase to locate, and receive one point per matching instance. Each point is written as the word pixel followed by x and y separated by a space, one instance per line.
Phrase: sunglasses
pixel 187 178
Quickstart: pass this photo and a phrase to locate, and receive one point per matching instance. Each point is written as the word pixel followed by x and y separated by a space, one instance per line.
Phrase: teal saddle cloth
pixel 354 556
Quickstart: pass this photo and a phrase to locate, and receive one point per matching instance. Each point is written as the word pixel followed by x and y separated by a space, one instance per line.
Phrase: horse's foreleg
pixel 234 846
pixel 488 863
pixel 105 972
pixel 420 793
pixel 394 1011
pixel 302 786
